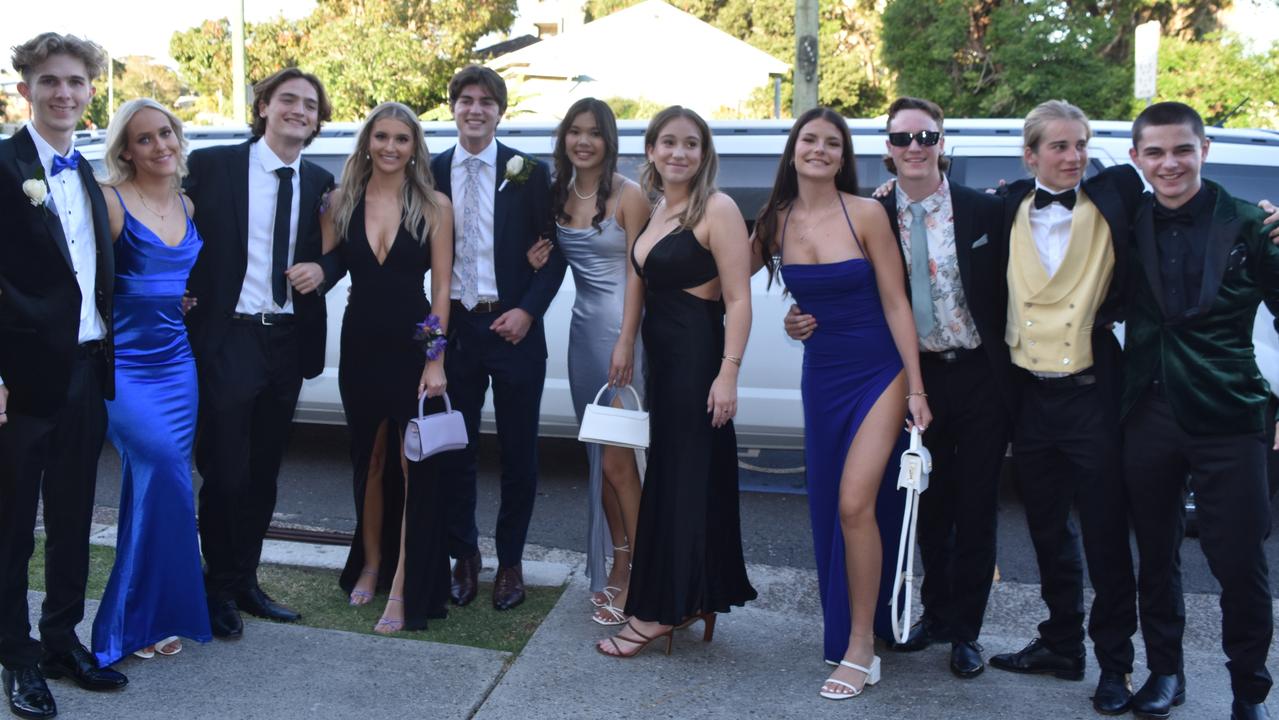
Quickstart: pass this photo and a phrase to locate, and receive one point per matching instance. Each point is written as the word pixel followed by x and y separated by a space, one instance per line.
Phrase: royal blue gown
pixel 156 588
pixel 849 360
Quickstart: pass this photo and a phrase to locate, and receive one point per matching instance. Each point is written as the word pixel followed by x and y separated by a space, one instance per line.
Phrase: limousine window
pixel 1247 182
pixel 977 171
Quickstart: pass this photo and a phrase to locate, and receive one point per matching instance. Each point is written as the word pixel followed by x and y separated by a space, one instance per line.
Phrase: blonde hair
pixel 120 170
pixel 32 53
pixel 1046 112
pixel 702 186
pixel 420 206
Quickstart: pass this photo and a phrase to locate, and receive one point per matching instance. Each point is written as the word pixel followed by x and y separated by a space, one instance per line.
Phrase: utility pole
pixel 806 54
pixel 239 96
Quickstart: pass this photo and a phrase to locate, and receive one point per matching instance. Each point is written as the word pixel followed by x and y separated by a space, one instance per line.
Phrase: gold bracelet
pixel 918 394
pixel 735 360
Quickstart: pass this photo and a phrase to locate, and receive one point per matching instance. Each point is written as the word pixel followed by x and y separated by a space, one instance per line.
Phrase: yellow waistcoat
pixel 1050 320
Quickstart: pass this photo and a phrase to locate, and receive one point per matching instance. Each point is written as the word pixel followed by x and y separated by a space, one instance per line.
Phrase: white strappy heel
pixel 872 677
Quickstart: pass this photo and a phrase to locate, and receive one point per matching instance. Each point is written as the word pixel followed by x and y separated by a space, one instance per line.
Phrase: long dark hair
pixel 607 125
pixel 786 185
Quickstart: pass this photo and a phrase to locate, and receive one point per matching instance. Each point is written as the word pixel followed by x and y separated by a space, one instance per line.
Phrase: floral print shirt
pixel 955 328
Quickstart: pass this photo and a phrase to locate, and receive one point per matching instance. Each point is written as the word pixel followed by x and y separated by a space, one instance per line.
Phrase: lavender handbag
pixel 427 435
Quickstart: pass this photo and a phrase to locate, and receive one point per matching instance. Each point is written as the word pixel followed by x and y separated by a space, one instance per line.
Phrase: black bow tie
pixel 1179 215
pixel 1043 199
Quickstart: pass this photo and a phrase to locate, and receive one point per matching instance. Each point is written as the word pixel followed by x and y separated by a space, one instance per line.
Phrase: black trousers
pixel 57 457
pixel 1067 453
pixel 248 391
pixel 1228 476
pixel 476 356
pixel 957 513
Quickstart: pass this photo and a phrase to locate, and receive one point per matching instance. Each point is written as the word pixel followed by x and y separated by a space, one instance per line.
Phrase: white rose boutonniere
pixel 36 189
pixel 517 171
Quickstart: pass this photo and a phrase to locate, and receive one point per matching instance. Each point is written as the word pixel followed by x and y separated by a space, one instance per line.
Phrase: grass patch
pixel 314 593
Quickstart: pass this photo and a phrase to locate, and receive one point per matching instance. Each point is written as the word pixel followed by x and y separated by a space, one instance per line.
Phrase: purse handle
pixel 638 405
pixel 421 401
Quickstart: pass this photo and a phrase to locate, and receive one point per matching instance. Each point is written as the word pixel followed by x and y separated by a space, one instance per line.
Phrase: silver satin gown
pixel 599 262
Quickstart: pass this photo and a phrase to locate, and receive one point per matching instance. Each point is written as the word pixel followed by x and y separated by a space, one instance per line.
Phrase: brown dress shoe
pixel 466 579
pixel 508 587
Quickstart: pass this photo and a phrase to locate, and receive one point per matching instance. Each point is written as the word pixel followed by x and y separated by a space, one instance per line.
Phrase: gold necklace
pixel 164 215
pixel 808 227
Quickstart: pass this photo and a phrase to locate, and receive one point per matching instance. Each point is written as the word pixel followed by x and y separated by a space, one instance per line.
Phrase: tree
pixel 364 51
pixel 853 78
pixel 144 77
pixel 1220 79
pixel 1002 57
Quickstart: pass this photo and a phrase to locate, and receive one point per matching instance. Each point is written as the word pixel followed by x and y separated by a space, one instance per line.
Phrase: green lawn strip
pixel 314 592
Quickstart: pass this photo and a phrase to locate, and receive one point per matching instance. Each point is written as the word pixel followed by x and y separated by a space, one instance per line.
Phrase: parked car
pixel 982 152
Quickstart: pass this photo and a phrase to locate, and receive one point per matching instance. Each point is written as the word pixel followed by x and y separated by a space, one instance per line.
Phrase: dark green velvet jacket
pixel 1205 358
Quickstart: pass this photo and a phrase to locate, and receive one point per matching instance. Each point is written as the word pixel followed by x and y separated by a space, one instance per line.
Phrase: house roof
pixel 633 40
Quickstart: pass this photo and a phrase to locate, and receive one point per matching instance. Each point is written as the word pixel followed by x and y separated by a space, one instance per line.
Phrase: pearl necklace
pixel 579 195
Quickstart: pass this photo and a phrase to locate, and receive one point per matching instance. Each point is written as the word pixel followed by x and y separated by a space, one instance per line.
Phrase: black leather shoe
pixel 1037 658
pixel 29 696
pixel 508 587
pixel 466 579
pixel 224 618
pixel 257 603
pixel 1159 696
pixel 922 634
pixel 1241 710
pixel 965 660
pixel 80 665
pixel 1114 694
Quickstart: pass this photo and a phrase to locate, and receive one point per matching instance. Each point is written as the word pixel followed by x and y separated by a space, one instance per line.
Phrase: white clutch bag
pixel 608 425
pixel 427 435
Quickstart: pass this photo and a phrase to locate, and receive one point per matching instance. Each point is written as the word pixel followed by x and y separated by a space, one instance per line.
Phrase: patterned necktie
pixel 921 292
pixel 469 270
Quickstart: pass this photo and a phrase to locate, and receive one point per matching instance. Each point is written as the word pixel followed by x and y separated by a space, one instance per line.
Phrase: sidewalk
pixel 764 662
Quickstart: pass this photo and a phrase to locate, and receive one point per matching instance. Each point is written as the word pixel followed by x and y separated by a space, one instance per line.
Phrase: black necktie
pixel 280 246
pixel 1178 215
pixel 1043 199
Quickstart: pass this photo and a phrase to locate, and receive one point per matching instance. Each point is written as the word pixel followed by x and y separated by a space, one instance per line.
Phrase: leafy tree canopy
pixel 365 51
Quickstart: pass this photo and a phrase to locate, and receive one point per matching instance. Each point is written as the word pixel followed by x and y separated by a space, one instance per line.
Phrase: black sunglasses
pixel 926 138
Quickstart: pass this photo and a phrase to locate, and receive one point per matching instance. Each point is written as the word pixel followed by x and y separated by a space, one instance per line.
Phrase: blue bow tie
pixel 66 163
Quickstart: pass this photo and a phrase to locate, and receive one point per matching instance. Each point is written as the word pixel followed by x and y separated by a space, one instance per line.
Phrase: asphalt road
pixel 315 492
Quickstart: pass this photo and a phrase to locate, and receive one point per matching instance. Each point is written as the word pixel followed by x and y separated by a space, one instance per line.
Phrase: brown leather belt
pixel 481 308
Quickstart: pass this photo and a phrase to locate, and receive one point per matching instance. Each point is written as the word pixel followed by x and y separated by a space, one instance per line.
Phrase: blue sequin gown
pixel 156 588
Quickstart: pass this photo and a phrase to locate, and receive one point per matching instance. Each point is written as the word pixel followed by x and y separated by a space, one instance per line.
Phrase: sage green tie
pixel 921 291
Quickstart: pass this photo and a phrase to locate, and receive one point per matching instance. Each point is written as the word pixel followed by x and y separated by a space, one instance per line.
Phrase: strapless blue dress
pixel 849 360
pixel 156 587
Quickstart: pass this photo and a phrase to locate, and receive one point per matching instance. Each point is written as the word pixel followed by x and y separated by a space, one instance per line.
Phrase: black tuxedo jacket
pixel 1116 191
pixel 521 214
pixel 218 183
pixel 39 296
pixel 982 251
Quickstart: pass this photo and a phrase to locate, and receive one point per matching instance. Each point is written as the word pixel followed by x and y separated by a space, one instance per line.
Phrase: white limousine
pixel 770 415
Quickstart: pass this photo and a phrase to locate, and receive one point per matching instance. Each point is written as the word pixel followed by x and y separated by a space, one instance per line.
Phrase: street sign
pixel 1146 57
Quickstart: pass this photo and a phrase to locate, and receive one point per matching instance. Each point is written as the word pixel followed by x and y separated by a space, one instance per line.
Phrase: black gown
pixel 688 546
pixel 378 375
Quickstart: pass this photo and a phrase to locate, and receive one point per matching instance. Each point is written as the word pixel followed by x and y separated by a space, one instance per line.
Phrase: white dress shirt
pixel 264 187
pixel 486 273
pixel 1050 227
pixel 69 198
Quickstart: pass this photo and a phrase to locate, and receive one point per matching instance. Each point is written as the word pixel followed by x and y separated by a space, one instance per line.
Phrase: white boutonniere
pixel 517 171
pixel 36 189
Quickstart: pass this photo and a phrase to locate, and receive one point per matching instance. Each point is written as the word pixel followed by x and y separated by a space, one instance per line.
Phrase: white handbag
pixel 916 464
pixel 609 425
pixel 427 435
